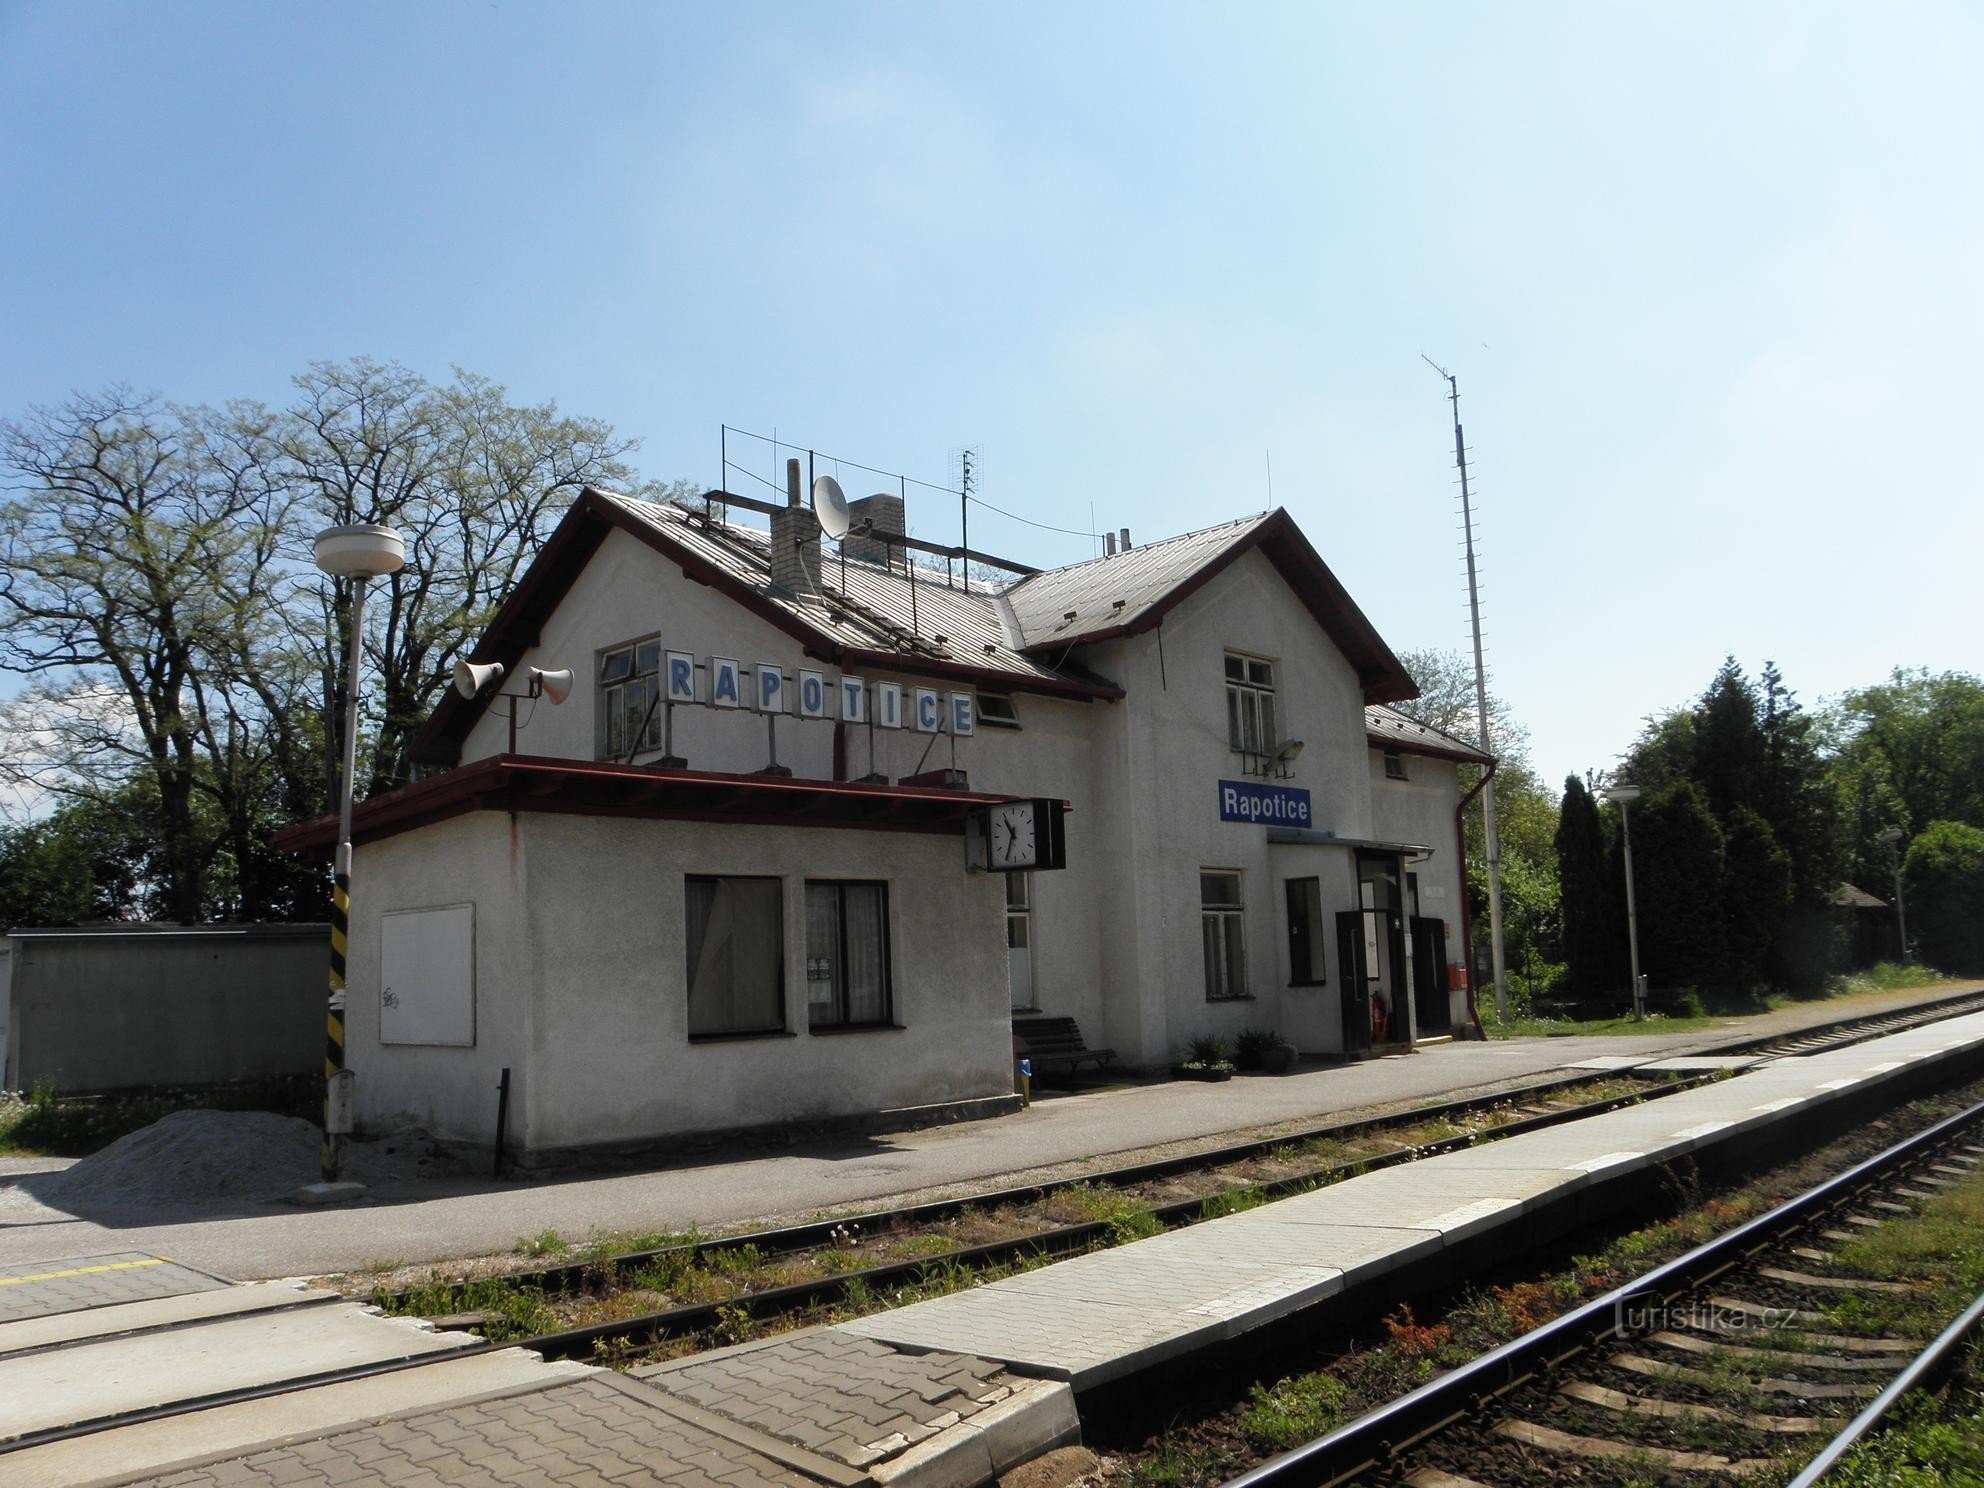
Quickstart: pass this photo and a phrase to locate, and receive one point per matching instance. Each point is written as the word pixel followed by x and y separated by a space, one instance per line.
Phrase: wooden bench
pixel 1056 1044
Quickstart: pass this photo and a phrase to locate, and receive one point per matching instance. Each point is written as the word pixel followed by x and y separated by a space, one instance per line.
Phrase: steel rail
pixel 1924 1370
pixel 1062 1240
pixel 786 1238
pixel 1382 1434
pixel 568 1275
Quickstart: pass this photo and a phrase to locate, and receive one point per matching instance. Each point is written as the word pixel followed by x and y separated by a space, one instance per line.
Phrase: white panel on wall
pixel 427 976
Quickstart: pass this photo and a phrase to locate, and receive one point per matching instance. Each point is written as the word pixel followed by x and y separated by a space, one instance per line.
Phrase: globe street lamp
pixel 1892 837
pixel 1622 794
pixel 359 554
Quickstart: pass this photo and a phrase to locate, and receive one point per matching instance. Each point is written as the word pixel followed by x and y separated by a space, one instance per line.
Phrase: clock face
pixel 1011 831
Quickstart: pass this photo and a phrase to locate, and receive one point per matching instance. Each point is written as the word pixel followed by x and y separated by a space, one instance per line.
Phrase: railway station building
pixel 815 823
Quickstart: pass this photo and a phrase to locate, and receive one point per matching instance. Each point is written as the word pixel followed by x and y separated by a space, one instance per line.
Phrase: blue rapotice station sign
pixel 1256 801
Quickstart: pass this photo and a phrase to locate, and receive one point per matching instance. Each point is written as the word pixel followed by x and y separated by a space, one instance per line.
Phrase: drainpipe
pixel 1466 919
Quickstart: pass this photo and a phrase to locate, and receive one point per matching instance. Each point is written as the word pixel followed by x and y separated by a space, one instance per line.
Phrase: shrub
pixel 1943 888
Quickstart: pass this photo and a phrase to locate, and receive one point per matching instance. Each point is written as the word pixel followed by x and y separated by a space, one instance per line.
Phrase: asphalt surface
pixel 438 1220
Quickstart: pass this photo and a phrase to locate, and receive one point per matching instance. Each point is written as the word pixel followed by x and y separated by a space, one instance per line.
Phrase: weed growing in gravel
pixel 1292 1411
pixel 509 1311
pixel 546 1244
pixel 1233 1201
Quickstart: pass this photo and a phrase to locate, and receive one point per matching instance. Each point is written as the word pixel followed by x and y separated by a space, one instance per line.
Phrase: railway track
pixel 584 1342
pixel 604 1272
pixel 1719 1362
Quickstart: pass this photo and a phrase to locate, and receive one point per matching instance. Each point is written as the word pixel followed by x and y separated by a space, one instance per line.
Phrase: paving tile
pixel 44 1288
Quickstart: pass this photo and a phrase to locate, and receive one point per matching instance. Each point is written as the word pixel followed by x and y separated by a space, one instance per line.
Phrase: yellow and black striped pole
pixel 336 1104
pixel 358 554
pixel 334 1015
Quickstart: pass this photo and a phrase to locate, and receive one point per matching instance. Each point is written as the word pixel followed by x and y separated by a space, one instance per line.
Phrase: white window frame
pixel 1001 714
pixel 609 736
pixel 1222 930
pixel 1253 724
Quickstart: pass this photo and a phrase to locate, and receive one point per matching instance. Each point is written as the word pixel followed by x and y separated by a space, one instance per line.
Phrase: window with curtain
pixel 1223 930
pixel 736 943
pixel 847 955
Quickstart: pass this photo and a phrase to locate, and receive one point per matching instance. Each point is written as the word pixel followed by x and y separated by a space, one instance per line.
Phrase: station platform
pixel 1107 1316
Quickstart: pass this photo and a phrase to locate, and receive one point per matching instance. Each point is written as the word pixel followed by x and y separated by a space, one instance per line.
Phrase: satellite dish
pixel 830 506
pixel 555 685
pixel 471 679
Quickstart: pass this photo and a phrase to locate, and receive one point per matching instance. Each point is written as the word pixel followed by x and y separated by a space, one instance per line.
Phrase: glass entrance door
pixel 1019 942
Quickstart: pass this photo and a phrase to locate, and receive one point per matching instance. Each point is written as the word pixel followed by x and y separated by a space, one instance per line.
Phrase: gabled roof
pixel 1132 592
pixel 1852 896
pixel 1387 728
pixel 1015 638
pixel 884 619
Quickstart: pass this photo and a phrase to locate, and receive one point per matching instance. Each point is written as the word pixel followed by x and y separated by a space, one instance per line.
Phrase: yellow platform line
pixel 83 1271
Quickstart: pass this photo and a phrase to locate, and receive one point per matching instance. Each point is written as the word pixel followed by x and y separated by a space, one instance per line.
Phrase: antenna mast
pixel 1480 706
pixel 967 473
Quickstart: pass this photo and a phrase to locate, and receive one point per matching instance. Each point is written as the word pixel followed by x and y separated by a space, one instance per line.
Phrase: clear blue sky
pixel 1709 276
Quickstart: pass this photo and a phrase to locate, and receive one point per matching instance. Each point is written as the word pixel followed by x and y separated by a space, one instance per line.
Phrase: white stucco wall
pixel 1160 756
pixel 1117 935
pixel 581 980
pixel 1420 809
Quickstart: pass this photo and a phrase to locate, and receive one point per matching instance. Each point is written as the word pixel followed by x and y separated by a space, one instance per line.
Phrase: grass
pixel 1565 1027
pixel 1886 977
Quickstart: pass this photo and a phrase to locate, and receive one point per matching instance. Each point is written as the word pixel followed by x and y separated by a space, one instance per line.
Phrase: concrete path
pixel 1062 1133
pixel 1113 1313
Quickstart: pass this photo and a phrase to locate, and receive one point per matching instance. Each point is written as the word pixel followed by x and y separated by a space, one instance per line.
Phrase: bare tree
pixel 473 483
pixel 128 556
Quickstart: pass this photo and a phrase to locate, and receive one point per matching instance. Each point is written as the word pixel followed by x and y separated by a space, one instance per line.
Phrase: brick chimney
pixel 884 512
pixel 795 542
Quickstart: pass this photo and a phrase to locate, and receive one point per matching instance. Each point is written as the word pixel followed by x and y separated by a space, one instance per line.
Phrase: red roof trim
pixel 1383 677
pixel 512 782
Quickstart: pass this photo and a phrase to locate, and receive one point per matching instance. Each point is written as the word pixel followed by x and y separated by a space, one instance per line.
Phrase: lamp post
pixel 360 554
pixel 1892 837
pixel 1621 794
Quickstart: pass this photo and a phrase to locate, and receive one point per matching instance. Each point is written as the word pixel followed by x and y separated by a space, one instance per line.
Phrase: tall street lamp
pixel 360 554
pixel 1622 794
pixel 1892 837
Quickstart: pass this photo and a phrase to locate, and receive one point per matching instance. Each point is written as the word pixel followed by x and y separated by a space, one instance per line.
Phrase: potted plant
pixel 1250 1044
pixel 1278 1057
pixel 1206 1058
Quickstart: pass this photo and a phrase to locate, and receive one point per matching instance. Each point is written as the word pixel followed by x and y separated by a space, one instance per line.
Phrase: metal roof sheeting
pixel 1140 578
pixel 1391 729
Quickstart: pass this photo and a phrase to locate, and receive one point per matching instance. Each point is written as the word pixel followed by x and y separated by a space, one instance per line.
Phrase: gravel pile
pixel 195 1157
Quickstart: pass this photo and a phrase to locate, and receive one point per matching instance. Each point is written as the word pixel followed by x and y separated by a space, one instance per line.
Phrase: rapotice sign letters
pixel 1272 805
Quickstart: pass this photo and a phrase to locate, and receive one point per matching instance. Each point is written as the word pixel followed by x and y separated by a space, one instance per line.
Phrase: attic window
pixel 995 709
pixel 1395 765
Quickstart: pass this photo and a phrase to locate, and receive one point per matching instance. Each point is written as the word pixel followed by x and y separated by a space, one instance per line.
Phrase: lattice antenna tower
pixel 1488 831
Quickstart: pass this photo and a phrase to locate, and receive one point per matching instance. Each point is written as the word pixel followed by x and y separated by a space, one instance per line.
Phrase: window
pixel 996 710
pixel 847 955
pixel 1250 720
pixel 1222 925
pixel 736 940
pixel 629 693
pixel 1306 963
pixel 1395 765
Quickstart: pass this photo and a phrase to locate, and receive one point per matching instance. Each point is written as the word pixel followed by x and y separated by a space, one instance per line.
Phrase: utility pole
pixel 964 512
pixel 1480 706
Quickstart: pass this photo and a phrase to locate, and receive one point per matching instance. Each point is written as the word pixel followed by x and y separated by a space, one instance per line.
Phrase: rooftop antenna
pixel 967 476
pixel 1480 703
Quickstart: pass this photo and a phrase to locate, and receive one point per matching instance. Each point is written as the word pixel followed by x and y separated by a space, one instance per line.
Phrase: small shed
pixel 1867 926
pixel 116 1007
